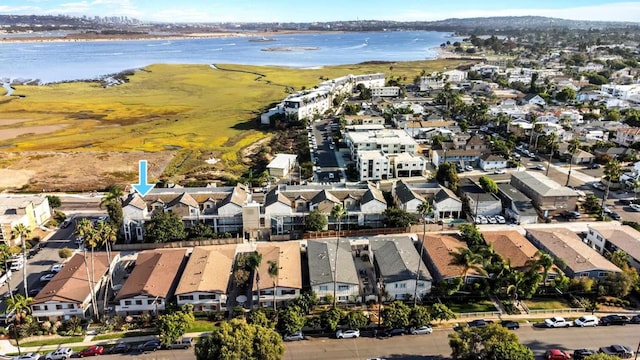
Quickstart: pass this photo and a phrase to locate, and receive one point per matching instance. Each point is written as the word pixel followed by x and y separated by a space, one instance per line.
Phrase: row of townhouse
pixel 361 268
pixel 315 102
pixel 237 210
pixel 30 211
pixel 572 257
pixel 201 278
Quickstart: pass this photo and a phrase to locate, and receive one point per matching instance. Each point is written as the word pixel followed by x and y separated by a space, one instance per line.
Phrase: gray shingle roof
pixel 444 194
pixel 324 195
pixel 542 184
pixel 405 194
pixel 397 259
pixel 321 257
pixel 373 194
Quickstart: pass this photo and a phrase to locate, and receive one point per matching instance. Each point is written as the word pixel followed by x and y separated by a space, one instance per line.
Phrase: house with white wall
pixel 489 162
pixel 30 211
pixel 152 283
pixel 68 294
pixel 205 280
pixel 609 237
pixel 327 263
pixel 627 136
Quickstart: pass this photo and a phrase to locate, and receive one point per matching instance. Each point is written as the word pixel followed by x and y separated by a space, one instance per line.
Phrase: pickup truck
pixel 621 351
pixel 557 322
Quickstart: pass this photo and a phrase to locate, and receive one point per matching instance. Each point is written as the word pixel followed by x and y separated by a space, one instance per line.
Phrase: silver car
pixel 296 336
pixel 60 354
pixel 348 334
pixel 425 329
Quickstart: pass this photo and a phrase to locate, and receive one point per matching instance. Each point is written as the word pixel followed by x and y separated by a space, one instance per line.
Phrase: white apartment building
pixel 388 141
pixel 626 136
pixel 30 211
pixel 385 91
pixel 407 165
pixel 455 75
pixel 373 165
pixel 623 92
pixel 432 82
pixel 308 105
pixel 369 80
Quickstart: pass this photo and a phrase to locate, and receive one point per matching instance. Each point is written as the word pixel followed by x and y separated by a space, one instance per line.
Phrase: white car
pixel 635 207
pixel 60 354
pixel 540 167
pixel 426 329
pixel 557 322
pixel 27 356
pixel 348 334
pixel 586 320
pixel 46 278
pixel 492 220
pixel 501 219
pixel 55 268
pixel 483 219
pixel 468 168
pixel 499 171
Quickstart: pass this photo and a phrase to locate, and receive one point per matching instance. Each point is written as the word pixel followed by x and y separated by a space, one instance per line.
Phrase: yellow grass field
pixel 210 112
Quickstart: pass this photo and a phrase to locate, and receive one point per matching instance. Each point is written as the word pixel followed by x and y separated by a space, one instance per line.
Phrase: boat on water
pixel 261 39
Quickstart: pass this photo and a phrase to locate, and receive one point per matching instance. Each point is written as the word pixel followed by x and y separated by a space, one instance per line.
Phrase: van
pixel 183 343
pixel 586 320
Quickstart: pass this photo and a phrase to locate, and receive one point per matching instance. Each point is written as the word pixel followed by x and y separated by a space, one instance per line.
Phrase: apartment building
pixel 627 136
pixel 30 211
pixel 607 238
pixel 389 141
pixel 549 197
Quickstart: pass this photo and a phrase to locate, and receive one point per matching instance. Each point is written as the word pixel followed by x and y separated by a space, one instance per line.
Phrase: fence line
pixel 177 244
pixel 347 233
pixel 563 310
pixel 478 314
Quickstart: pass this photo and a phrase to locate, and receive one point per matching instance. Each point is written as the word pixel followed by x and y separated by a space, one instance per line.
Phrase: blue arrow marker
pixel 142 187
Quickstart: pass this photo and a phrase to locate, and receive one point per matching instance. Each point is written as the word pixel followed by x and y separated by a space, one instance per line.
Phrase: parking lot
pixel 324 151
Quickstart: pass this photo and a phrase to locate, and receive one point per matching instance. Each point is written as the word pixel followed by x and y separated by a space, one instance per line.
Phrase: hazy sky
pixel 325 10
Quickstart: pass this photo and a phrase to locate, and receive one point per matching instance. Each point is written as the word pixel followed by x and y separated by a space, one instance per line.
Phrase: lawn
pixel 203 111
pixel 120 335
pixel 477 306
pixel 546 304
pixel 202 326
pixel 54 341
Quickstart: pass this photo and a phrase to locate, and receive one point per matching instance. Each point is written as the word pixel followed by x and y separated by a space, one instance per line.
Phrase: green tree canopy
pixel 164 227
pixel 65 253
pixel 441 312
pixel 331 318
pixel 447 175
pixel 470 234
pixel 259 317
pixel 356 319
pixel 420 316
pixel 290 319
pixel 396 315
pixel 492 342
pixel 315 221
pixel 488 184
pixel 54 201
pixel 237 340
pixel 398 218
pixel 173 325
pixel 601 356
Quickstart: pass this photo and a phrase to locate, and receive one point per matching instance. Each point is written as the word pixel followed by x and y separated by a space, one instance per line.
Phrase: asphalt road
pixel 434 346
pixel 326 156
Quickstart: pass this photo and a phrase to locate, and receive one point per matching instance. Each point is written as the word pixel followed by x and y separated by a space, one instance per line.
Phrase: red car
pixel 91 351
pixel 555 354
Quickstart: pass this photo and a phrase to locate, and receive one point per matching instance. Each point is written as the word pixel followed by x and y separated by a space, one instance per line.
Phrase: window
pixel 184 297
pixel 138 302
pixel 602 274
pixel 288 292
pixel 323 288
pixel 343 298
pixel 343 287
pixel 149 302
pixel 401 286
pixel 207 297
pixel 127 302
pixel 58 307
pixel 36 307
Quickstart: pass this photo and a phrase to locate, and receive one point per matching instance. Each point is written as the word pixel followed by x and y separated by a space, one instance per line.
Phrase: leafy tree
pixel 201 231
pixel 447 175
pixel 54 201
pixel 398 218
pixel 305 301
pixel 396 315
pixel 612 172
pixel 115 214
pixel 356 319
pixel 315 221
pixel 259 317
pixel 619 284
pixel 331 318
pixel 290 319
pixel 237 340
pixel 592 204
pixel 470 234
pixel 173 325
pixel 566 94
pixel 164 227
pixel 441 312
pixel 490 342
pixel 488 184
pixel 65 253
pixel 419 316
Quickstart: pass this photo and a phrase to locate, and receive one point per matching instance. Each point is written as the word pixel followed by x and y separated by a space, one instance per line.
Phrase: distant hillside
pixel 523 22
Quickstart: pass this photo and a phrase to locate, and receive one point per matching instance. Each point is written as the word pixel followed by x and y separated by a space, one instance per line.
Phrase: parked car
pixel 55 268
pixel 501 219
pixel 540 167
pixel 614 320
pixel 66 223
pixel 580 354
pixel 426 329
pixel 621 351
pixel 184 343
pixel 27 356
pixel 120 348
pixel 348 334
pixel 468 168
pixel 479 323
pixel 586 320
pixel 556 354
pixel 510 324
pixel 635 319
pixel 557 322
pixel 499 171
pixel 34 291
pixel 635 207
pixel 62 353
pixel 394 332
pixel 599 186
pixel 594 166
pixel 297 336
pixel 614 215
pixel 46 278
pixel 151 345
pixel 492 220
pixel 93 350
pixel 571 215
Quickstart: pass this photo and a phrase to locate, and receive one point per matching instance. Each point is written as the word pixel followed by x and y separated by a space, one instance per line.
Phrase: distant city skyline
pixel 321 11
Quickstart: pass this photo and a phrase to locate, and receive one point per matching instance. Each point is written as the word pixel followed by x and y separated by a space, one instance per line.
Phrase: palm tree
pixel 19 304
pixel 106 235
pixel 468 260
pixel 89 235
pixel 112 196
pixel 5 255
pixel 424 209
pixel 253 262
pixel 552 142
pixel 22 232
pixel 516 279
pixel 573 147
pixel 612 172
pixel 274 272
pixel 635 185
pixel 542 260
pixel 338 212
